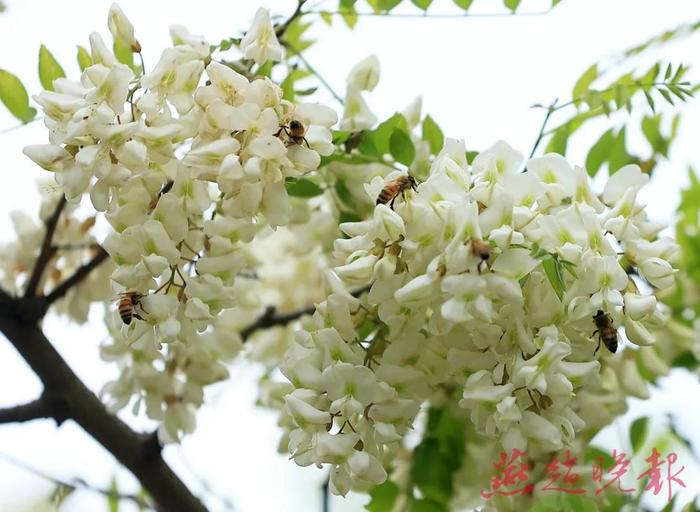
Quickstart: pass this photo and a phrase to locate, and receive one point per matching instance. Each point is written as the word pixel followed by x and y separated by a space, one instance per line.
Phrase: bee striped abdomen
pixel 127 303
pixel 395 187
pixel 387 194
pixel 607 333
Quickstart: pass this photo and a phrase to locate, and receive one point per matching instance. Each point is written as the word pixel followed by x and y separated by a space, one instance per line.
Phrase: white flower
pixel 364 76
pixel 260 42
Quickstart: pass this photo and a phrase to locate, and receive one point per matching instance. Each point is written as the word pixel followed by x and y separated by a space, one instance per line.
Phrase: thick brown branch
pixel 76 278
pixel 132 449
pixel 35 410
pixel 272 319
pixel 46 251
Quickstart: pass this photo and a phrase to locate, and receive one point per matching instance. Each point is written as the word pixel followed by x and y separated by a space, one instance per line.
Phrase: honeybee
pixel 128 302
pixel 481 250
pixel 393 188
pixel 296 133
pixel 606 331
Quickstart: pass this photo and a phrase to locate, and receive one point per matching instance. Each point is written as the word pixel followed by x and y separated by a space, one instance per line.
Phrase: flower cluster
pixel 187 173
pixel 485 280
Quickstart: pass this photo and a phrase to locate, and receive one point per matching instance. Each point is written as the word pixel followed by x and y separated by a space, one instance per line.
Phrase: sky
pixel 477 77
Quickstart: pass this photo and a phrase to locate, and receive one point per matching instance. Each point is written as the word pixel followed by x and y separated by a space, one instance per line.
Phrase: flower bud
pixel 121 28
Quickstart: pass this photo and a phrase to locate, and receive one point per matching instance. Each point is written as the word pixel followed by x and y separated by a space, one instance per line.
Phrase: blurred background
pixel 478 78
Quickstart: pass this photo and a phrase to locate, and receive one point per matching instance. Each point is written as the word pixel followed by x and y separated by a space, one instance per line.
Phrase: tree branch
pixel 77 483
pixel 281 29
pixel 34 410
pixel 272 319
pixel 136 451
pixel 77 277
pixel 46 252
pixel 428 15
pixel 550 110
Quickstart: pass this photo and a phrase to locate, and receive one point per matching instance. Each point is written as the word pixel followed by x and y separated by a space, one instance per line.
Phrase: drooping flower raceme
pixel 485 280
pixel 188 162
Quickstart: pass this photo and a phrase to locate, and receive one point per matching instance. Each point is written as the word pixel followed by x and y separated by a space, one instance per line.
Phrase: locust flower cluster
pixel 188 161
pixel 485 280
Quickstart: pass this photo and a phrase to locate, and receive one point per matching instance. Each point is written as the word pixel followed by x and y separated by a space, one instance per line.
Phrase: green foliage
pixel 561 501
pixel 599 152
pixel 432 134
pixel 60 493
pixel 553 269
pixel 84 58
pixel 511 4
pixel 687 234
pixel 294 35
pixel 437 458
pixel 49 68
pixel 301 187
pixel 288 84
pixel 346 8
pixel 382 497
pixel 15 98
pixel 113 498
pixel 584 82
pixel 638 433
pixel 387 5
pixel 464 4
pixel 422 4
pixel 401 147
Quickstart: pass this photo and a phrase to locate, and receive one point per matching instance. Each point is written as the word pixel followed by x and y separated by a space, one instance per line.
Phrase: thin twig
pixel 313 71
pixel 550 110
pixel 18 126
pixel 272 319
pixel 427 15
pixel 76 483
pixel 77 277
pixel 45 252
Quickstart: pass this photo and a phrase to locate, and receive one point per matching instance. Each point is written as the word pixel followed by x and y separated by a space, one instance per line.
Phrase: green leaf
pixel 618 155
pixel 511 4
pixel 349 217
pixel 327 17
pixel 464 4
pixel 301 187
pixel 584 81
pixel 343 193
pixel 553 270
pixel 387 5
pixel 559 141
pixel 651 128
pixel 382 497
pixel 471 155
pixel 427 506
pixel 432 134
pixel 84 58
pixel 685 360
pixel 14 96
pixel 113 499
pixel 638 432
pixel 402 148
pixel 349 17
pixel 439 456
pixel 598 153
pixel 49 68
pixel 422 4
pixel 382 134
pixel 59 494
